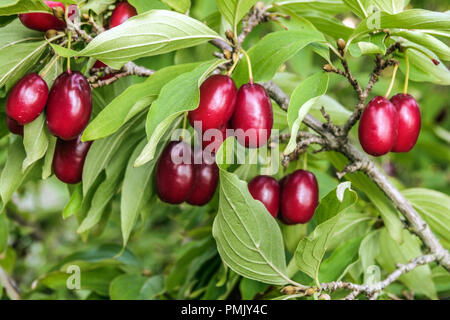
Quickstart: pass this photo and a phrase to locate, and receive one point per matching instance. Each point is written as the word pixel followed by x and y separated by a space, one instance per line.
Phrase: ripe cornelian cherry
pixel 299 197
pixel 409 122
pixel 378 127
pixel 206 177
pixel 69 105
pixel 267 190
pixel 14 126
pixel 213 139
pixel 121 13
pixel 68 160
pixel 217 102
pixel 175 173
pixel 43 21
pixel 27 99
pixel 252 120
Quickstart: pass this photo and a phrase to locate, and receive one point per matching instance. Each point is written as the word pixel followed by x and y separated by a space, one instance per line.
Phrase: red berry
pixel 69 105
pixel 43 21
pixel 14 126
pixel 121 13
pixel 206 177
pixel 68 160
pixel 378 127
pixel 299 197
pixel 253 118
pixel 217 102
pixel 27 99
pixel 175 173
pixel 409 122
pixel 267 190
pixel 98 64
pixel 213 139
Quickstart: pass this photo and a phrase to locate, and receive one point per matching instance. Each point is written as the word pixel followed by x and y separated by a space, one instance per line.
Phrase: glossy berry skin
pixel 174 176
pixel 68 160
pixel 299 197
pixel 27 99
pixel 14 126
pixel 121 13
pixel 69 105
pixel 43 21
pixel 409 122
pixel 206 177
pixel 253 116
pixel 267 190
pixel 378 127
pixel 212 140
pixel 217 102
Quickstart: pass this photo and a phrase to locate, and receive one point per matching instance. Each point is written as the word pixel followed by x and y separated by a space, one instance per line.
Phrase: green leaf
pixel 48 160
pixel 359 7
pixel 98 6
pixel 248 239
pixel 10 7
pixel 271 52
pixel 12 176
pixel 101 153
pixel 424 70
pixel 391 253
pixel 35 141
pixel 434 207
pixel 374 44
pixel 368 251
pixel 335 267
pixel 132 101
pixel 329 25
pixel 179 95
pixel 15 33
pixel 181 6
pixel 148 34
pixel 16 60
pixel 325 6
pixel 311 250
pixel 4 231
pixel 338 113
pixel 377 197
pixel 409 19
pixel 136 287
pixel 426 40
pixel 234 10
pixel 390 6
pixel 108 188
pixel 75 203
pixel 302 99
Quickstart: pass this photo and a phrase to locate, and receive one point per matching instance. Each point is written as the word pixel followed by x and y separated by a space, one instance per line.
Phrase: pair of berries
pixel 179 179
pixel 68 110
pixel 295 197
pixel 248 111
pixel 390 126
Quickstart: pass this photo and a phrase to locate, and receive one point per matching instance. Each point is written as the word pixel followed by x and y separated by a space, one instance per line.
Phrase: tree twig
pixel 9 285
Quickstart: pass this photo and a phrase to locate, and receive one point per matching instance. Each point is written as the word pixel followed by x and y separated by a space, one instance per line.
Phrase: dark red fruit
pixel 267 190
pixel 206 177
pixel 409 122
pixel 69 105
pixel 175 173
pixel 27 99
pixel 43 21
pixel 217 102
pixel 14 126
pixel 299 197
pixel 98 64
pixel 121 13
pixel 253 117
pixel 378 127
pixel 213 139
pixel 68 160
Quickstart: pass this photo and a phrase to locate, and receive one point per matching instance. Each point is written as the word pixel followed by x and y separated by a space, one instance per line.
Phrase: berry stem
pixel 69 43
pixel 250 71
pixel 405 88
pixel 392 82
pixel 305 160
pixel 230 71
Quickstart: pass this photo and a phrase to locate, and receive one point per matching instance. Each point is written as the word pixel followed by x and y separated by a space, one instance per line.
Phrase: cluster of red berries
pixel 390 125
pixel 68 105
pixel 179 178
pixel 294 199
pixel 222 106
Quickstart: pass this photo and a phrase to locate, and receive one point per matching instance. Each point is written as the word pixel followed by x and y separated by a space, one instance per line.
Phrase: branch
pixel 9 285
pixel 418 225
pixel 128 69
